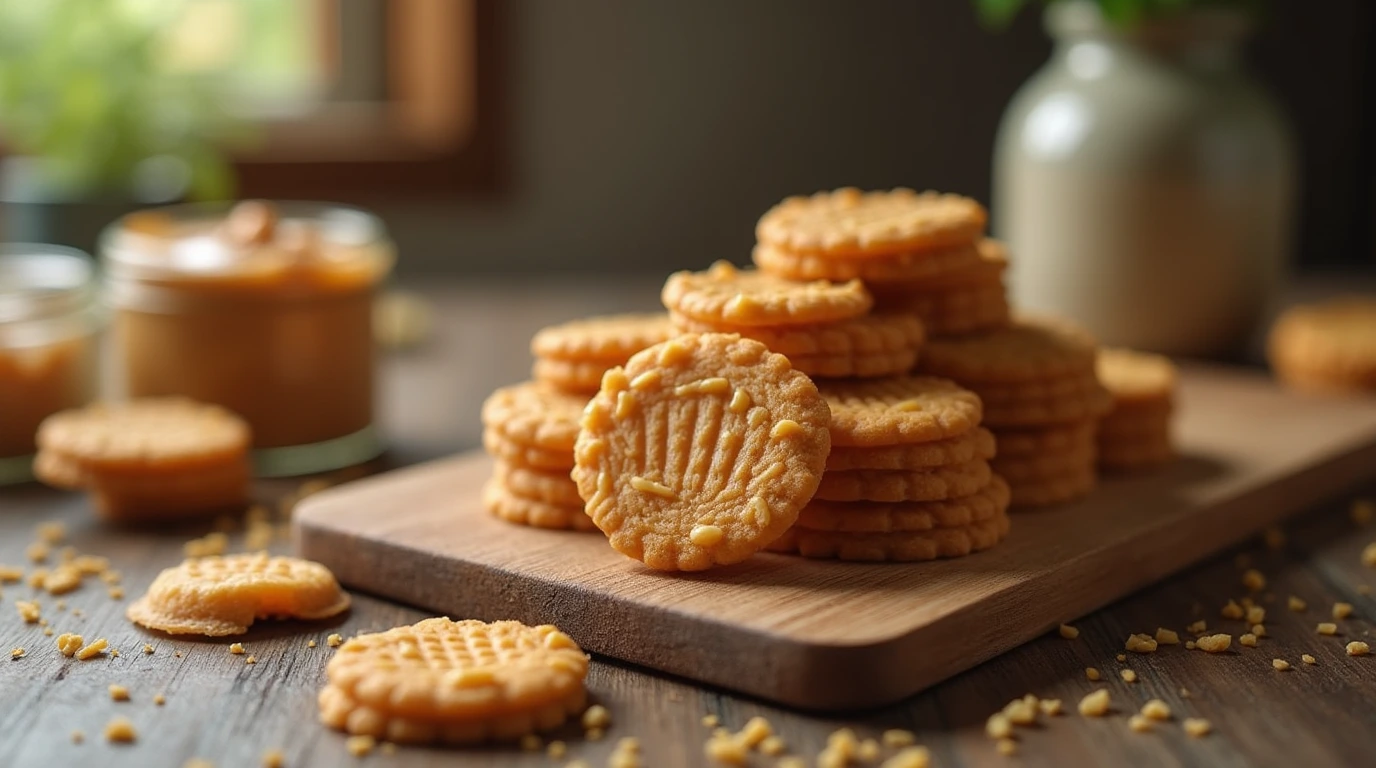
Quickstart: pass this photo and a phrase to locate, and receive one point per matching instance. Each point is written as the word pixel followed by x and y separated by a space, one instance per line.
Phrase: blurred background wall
pixel 624 135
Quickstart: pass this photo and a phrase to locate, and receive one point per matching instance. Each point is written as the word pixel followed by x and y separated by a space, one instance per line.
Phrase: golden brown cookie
pixel 865 335
pixel 977 443
pixel 1034 413
pixel 1136 454
pixel 726 295
pixel 534 415
pixel 555 488
pixel 151 434
pixel 701 451
pixel 575 377
pixel 931 484
pixel 1120 426
pixel 1023 470
pixel 1024 351
pixel 953 311
pixel 1326 347
pixel 609 338
pixel 1053 490
pixel 1061 438
pixel 1136 378
pixel 850 222
pixel 899 410
pixel 454 682
pixel 216 596
pixel 873 517
pixel 856 366
pixel 890 268
pixel 519 455
pixel 522 510
pixel 898 546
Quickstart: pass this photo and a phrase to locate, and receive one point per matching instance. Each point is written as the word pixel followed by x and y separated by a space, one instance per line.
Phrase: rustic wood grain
pixel 218 708
pixel 826 635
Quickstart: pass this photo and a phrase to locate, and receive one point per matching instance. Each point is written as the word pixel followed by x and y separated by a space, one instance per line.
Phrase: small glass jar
pixel 263 308
pixel 49 319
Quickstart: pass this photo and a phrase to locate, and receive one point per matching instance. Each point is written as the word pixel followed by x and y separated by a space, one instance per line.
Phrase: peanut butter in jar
pixel 263 308
pixel 48 326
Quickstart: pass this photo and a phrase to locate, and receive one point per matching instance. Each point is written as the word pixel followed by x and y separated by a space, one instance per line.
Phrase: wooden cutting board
pixel 827 635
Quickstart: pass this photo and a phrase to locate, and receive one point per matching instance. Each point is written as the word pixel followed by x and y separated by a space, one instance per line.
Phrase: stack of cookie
pixel 825 329
pixel 917 253
pixel 573 356
pixel 530 428
pixel 1042 399
pixel 1136 433
pixel 908 476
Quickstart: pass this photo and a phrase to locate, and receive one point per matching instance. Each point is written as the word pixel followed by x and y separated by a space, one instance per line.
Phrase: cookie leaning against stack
pixel 1042 399
pixel 908 477
pixel 917 253
pixel 824 328
pixel 1136 433
pixel 154 459
pixel 573 356
pixel 530 429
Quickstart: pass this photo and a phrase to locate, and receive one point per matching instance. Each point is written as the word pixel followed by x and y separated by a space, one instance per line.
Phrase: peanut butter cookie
pixel 847 221
pixel 724 294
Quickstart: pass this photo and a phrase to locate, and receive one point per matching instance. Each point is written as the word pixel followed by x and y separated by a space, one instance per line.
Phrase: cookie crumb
pixel 120 731
pixel 908 757
pixel 387 748
pixel 1214 643
pixel 1307 659
pixel 360 746
pixel 1156 709
pixel 1121 657
pixel 1259 630
pixel 1295 604
pixel 1141 643
pixel 1139 724
pixel 840 750
pixel 236 648
pixel 998 726
pixel 1189 645
pixel 1050 707
pixel 1275 538
pixel 1280 665
pixel 1128 676
pixel 18 653
pixel 118 693
pixel 868 751
pixel 727 750
pixel 1197 628
pixel 29 611
pixel 1256 614
pixel 775 746
pixel 1342 610
pixel 69 644
pixel 1231 610
pixel 532 743
pixel 1327 628
pixel 594 734
pixel 37 552
pixel 115 593
pixel 1167 636
pixel 334 641
pixel 596 716
pixel 710 721
pixel 1069 632
pixel 556 750
pixel 1095 704
pixel 78 737
pixel 273 758
pixel 1007 747
pixel 1022 711
pixel 159 699
pixel 1249 640
pixel 898 737
pixel 1358 648
pixel 1362 511
pixel 93 650
pixel 756 730
pixel 1254 580
pixel 310 644
pixel 1369 555
pixel 148 649
pixel 251 660
pixel 1184 693
pixel 1092 674
pixel 1198 727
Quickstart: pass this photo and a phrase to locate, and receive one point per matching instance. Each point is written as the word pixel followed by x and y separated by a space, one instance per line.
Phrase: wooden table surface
pixel 220 709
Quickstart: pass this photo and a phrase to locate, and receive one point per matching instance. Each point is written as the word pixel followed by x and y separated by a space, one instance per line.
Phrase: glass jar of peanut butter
pixel 263 308
pixel 49 319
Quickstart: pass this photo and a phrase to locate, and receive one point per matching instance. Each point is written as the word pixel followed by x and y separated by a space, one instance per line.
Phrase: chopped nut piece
pixel 897 737
pixel 1069 632
pixel 1256 614
pixel 1197 628
pixel 1358 648
pixel 1091 674
pixel 1050 707
pixel 118 693
pixel 1342 610
pixel 93 650
pixel 1128 676
pixel 120 731
pixel 1167 636
pixel 1214 643
pixel 236 648
pixel 908 757
pixel 1007 747
pixel 69 644
pixel 1139 724
pixel 1249 640
pixel 334 641
pixel 1280 664
pixel 1232 610
pixel 1307 659
pixel 1328 628
pixel 596 716
pixel 1156 709
pixel 1095 704
pixel 1295 604
pixel 774 746
pixel 360 746
pixel 998 726
pixel 273 758
pixel 710 721
pixel 1198 727
pixel 1141 644
pixel 1254 580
